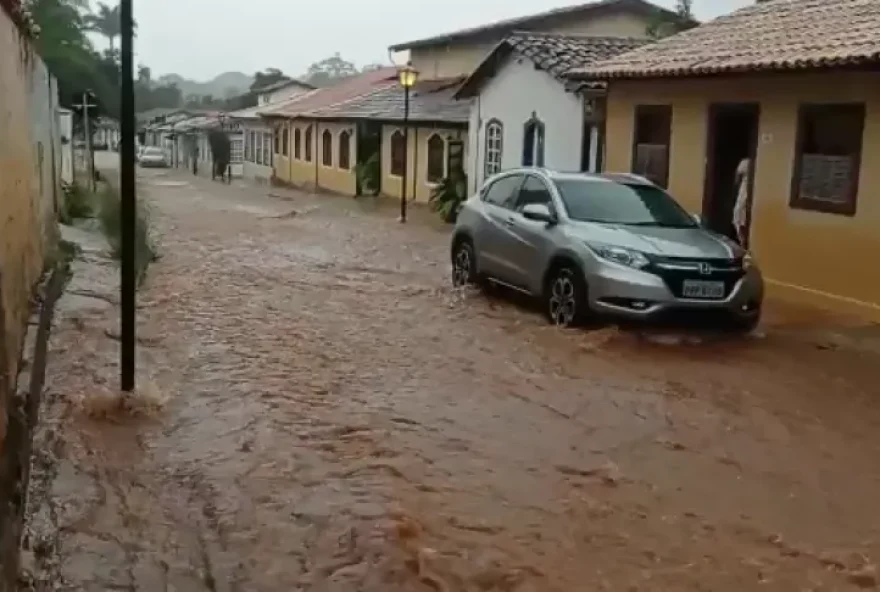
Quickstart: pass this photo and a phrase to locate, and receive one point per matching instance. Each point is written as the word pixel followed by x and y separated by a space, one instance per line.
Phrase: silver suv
pixel 609 244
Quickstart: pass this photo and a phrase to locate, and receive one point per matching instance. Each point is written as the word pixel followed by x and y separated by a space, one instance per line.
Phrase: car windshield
pixel 153 152
pixel 618 203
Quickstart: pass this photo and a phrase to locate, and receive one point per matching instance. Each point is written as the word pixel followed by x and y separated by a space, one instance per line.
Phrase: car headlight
pixel 620 255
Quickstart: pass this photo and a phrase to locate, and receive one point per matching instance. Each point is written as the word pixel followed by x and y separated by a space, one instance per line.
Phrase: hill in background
pixel 225 85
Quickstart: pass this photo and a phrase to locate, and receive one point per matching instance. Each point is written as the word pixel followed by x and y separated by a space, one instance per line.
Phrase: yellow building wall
pixel 822 259
pixel 460 58
pixel 417 159
pixel 314 173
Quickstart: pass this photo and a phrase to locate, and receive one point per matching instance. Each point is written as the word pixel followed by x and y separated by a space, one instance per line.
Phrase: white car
pixel 153 157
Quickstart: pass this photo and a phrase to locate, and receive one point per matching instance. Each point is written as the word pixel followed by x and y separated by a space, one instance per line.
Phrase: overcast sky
pixel 199 39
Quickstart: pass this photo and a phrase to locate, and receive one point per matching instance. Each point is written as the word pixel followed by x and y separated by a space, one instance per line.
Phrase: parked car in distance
pixel 153 157
pixel 601 244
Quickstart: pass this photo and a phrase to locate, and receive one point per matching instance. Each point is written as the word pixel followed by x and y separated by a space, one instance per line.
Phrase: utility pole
pixel 87 129
pixel 128 209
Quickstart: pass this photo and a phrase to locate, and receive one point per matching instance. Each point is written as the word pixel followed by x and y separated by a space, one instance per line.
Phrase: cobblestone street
pixel 320 410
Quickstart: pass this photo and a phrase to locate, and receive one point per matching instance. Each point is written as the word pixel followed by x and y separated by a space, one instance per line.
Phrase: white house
pixel 259 137
pixel 525 112
pixel 190 137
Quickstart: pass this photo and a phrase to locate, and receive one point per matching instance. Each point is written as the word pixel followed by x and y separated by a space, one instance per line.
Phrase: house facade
pixel 317 152
pixel 803 109
pixel 459 53
pixel 432 148
pixel 257 135
pixel 524 111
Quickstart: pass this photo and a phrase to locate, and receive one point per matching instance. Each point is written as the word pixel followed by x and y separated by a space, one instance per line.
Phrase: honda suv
pixel 601 244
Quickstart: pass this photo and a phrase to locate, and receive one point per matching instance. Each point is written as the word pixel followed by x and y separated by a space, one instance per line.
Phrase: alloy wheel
pixel 563 300
pixel 462 266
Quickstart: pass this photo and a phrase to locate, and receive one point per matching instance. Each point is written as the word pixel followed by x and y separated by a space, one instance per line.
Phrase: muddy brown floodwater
pixel 331 415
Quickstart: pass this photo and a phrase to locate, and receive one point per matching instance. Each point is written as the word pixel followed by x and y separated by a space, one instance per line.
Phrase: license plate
pixel 702 289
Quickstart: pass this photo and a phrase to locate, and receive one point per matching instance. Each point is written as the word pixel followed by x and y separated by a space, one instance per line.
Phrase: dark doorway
pixel 368 165
pixel 732 137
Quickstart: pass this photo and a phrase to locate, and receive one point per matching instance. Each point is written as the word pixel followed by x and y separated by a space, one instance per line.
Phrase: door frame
pixel 712 113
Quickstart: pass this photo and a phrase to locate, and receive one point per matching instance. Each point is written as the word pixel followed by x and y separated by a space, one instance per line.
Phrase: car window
pixel 533 191
pixel 503 192
pixel 621 203
pixel 153 152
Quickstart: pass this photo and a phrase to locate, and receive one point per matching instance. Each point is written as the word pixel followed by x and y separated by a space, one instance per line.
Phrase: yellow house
pixel 323 139
pixel 790 91
pixel 460 52
pixel 321 153
pixel 411 159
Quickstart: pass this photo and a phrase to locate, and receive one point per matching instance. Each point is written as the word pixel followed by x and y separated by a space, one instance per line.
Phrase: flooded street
pixel 321 411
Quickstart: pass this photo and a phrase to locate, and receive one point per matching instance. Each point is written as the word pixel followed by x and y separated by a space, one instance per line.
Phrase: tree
pixel 665 24
pixel 329 70
pixel 267 77
pixel 69 55
pixel 105 22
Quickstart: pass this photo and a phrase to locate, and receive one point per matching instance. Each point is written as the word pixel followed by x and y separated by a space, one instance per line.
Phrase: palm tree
pixel 106 22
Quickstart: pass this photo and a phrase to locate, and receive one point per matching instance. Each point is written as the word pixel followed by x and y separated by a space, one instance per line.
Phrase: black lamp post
pixel 408 77
pixel 128 207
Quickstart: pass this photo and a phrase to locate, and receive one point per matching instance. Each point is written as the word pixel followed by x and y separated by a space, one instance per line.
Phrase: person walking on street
pixel 742 205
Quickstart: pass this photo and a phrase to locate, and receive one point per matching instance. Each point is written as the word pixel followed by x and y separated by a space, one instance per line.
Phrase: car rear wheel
pixel 566 297
pixel 464 269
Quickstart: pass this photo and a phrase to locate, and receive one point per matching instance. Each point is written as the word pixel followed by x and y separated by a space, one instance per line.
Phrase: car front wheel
pixel 464 270
pixel 566 298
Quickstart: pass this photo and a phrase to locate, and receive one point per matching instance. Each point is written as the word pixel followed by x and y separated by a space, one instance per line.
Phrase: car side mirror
pixel 538 213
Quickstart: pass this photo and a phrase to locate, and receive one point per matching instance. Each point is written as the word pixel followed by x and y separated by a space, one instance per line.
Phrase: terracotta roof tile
pixel 348 89
pixel 556 54
pixel 773 35
pixel 500 29
pixel 430 101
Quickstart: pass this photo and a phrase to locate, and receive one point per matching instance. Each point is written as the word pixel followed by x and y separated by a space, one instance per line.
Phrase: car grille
pixel 675 270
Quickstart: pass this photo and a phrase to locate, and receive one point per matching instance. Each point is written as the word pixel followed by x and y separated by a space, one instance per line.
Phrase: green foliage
pixel 329 70
pixel 110 216
pixel 368 174
pixel 664 25
pixel 267 77
pixel 447 197
pixel 106 21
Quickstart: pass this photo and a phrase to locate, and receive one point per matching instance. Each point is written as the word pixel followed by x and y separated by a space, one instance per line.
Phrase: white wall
pixel 65 130
pixel 511 96
pixel 44 126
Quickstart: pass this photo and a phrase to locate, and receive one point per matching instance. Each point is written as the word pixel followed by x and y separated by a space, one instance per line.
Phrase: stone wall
pixel 28 193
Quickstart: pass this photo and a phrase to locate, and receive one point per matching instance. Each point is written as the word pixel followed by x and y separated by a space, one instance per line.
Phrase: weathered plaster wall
pixel 809 256
pixel 28 186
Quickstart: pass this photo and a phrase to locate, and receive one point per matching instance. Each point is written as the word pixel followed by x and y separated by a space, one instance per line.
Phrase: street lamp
pixel 128 211
pixel 408 77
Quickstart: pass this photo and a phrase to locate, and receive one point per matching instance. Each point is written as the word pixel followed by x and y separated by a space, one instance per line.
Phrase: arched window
pixel 308 148
pixel 327 148
pixel 398 153
pixel 494 147
pixel 344 150
pixel 436 158
pixel 285 140
pixel 533 142
pixel 297 141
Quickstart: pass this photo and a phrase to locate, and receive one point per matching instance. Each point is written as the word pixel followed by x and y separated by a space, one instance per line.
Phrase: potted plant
pixel 447 197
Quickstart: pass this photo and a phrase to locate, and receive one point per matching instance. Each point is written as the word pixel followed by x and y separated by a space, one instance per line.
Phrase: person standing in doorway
pixel 742 205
